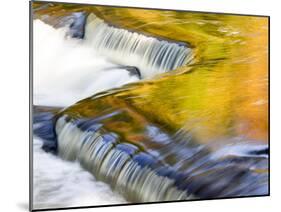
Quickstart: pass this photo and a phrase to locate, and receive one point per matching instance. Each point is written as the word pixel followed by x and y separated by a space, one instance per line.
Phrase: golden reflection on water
pixel 222 94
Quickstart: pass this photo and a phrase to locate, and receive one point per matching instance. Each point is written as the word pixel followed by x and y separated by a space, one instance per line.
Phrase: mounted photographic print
pixel 135 105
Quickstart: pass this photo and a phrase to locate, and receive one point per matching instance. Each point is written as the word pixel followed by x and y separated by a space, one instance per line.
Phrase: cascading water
pixel 111 58
pixel 122 165
pixel 150 55
pixel 58 183
pixel 171 169
pixel 62 76
pixel 110 136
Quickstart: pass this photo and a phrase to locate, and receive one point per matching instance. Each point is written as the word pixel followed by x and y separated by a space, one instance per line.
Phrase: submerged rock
pixel 44 127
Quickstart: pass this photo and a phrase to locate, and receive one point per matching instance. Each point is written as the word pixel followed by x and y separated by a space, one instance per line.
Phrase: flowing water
pixel 55 82
pixel 96 73
pixel 172 105
pixel 58 183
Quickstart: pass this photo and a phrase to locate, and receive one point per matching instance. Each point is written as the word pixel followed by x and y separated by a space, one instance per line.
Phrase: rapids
pixel 156 113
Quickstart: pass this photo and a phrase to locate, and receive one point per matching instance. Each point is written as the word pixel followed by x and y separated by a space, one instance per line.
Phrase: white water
pixel 151 55
pixel 59 183
pixel 114 166
pixel 67 70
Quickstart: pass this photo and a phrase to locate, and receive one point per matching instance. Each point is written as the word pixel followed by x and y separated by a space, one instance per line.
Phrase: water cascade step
pixel 151 55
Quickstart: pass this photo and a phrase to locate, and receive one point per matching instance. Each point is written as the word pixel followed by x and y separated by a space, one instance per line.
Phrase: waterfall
pixel 150 55
pixel 55 183
pixel 122 165
pixel 91 57
pixel 72 70
pixel 141 176
pixel 111 58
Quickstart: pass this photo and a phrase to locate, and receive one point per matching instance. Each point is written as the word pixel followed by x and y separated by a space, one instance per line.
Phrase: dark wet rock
pixel 77 26
pixel 44 127
pixel 264 151
pixel 134 71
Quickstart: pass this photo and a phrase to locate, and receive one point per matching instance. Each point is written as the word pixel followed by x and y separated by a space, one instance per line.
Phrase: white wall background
pixel 14 76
